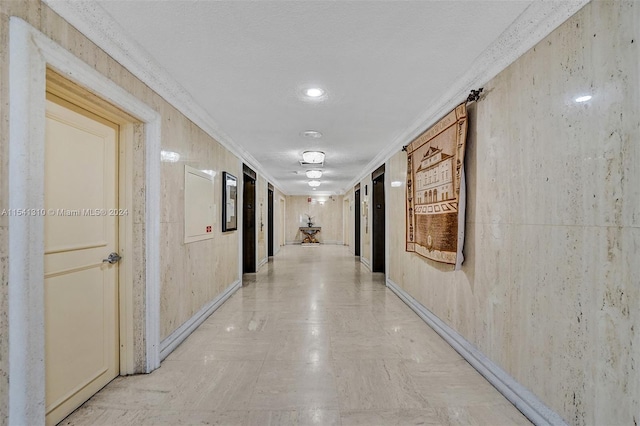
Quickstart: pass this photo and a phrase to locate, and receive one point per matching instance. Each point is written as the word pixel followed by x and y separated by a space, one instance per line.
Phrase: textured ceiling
pixel 382 63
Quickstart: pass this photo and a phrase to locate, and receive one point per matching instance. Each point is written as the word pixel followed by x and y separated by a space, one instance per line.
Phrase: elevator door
pixel 378 225
pixel 357 219
pixel 249 225
pixel 270 223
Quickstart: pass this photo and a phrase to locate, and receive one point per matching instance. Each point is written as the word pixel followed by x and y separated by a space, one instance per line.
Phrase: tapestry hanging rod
pixel 473 97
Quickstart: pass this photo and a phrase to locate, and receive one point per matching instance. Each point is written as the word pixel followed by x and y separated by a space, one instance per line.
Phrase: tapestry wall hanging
pixel 436 190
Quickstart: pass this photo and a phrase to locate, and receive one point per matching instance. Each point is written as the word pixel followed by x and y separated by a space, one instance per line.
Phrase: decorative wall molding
pixel 181 333
pixel 98 26
pixel 534 24
pixel 30 52
pixel 523 399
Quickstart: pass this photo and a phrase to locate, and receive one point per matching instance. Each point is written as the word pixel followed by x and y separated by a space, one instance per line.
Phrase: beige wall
pixel 346 215
pixel 192 274
pixel 195 273
pixel 279 216
pixel 327 215
pixel 550 288
pixel 350 240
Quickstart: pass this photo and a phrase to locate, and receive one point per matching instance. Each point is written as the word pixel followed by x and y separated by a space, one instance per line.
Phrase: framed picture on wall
pixel 229 202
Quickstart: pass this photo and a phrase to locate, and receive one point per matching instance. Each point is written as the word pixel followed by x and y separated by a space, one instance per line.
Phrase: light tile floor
pixel 312 339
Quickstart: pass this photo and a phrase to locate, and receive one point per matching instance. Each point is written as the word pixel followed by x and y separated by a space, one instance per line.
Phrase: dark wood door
pixel 270 223
pixel 378 263
pixel 249 225
pixel 356 240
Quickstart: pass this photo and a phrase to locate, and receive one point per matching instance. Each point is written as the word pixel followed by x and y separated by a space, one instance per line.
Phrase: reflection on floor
pixel 311 339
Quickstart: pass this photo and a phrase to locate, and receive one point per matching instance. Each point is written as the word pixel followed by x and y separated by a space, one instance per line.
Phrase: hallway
pixel 313 338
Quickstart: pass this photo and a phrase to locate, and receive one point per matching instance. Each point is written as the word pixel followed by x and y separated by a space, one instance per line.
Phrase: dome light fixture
pixel 314 183
pixel 313 157
pixel 314 92
pixel 314 174
pixel 312 134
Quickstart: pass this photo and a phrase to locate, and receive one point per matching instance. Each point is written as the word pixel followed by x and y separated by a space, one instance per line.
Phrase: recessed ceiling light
pixel 312 134
pixel 583 98
pixel 313 157
pixel 396 183
pixel 169 156
pixel 314 183
pixel 314 92
pixel 314 174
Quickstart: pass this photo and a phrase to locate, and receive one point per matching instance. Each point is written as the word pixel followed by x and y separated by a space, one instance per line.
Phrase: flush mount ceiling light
pixel 169 156
pixel 314 92
pixel 314 174
pixel 312 134
pixel 583 98
pixel 314 183
pixel 313 157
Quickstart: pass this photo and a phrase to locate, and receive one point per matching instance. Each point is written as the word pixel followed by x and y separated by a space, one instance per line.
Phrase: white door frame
pixel 283 221
pixel 30 53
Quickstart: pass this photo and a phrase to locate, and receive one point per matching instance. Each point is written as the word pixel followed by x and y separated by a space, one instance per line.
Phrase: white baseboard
pixel 522 398
pixel 365 262
pixel 263 262
pixel 181 333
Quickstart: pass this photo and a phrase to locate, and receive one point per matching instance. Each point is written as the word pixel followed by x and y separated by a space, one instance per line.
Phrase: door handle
pixel 113 258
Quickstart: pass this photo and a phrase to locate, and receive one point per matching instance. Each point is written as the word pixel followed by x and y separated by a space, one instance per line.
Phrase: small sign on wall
pixel 199 205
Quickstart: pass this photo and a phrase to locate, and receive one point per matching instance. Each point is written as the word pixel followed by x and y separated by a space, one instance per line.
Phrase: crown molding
pixel 98 26
pixel 533 25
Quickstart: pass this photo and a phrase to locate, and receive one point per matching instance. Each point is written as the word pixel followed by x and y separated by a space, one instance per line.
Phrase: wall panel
pixel 549 288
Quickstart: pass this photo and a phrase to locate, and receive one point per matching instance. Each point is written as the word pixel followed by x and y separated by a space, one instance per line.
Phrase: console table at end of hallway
pixel 310 234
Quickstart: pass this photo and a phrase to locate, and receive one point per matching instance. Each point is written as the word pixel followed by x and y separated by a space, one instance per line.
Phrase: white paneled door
pixel 81 229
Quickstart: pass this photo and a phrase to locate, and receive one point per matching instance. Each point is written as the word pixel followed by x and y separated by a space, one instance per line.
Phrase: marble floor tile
pixel 188 417
pixel 310 344
pixel 287 385
pixel 451 383
pixel 313 338
pixel 420 344
pixel 240 323
pixel 363 345
pixel 375 384
pixel 89 415
pixel 391 418
pixel 304 417
pixel 354 320
pixel 201 347
pixel 480 415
